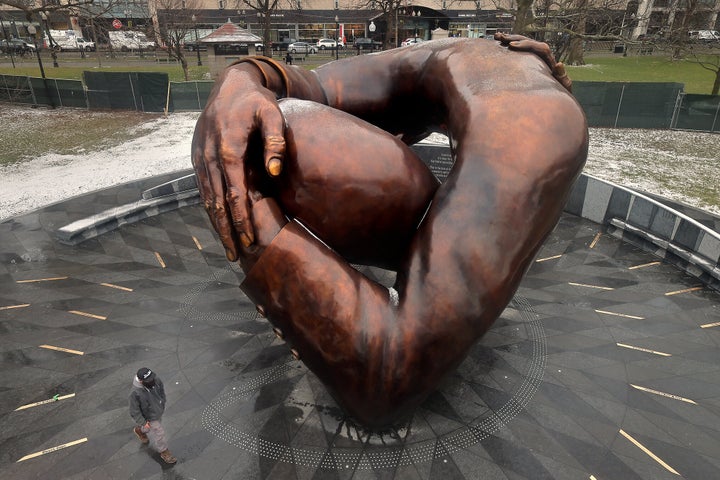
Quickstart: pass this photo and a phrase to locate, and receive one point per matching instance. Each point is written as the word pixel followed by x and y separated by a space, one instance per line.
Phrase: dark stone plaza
pixel 606 365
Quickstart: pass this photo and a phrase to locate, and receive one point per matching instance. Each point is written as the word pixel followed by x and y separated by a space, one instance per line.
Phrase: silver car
pixel 301 47
pixel 411 41
pixel 329 43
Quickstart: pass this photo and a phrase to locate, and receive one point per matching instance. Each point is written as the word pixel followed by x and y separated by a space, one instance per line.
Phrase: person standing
pixel 147 404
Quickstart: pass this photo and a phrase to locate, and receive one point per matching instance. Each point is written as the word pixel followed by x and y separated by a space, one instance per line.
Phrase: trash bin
pixel 619 48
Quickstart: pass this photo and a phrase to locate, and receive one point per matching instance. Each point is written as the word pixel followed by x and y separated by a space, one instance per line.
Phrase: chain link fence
pixel 697 112
pixel 628 105
pixel 41 91
pixel 189 96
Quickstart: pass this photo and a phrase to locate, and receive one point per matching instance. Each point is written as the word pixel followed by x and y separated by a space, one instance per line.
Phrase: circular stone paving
pixel 606 364
pixel 284 412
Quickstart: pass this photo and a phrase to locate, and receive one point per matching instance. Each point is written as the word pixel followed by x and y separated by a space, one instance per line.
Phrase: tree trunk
pixel 93 30
pixel 267 50
pixel 183 62
pixel 575 53
pixel 679 32
pixel 523 17
pixel 177 49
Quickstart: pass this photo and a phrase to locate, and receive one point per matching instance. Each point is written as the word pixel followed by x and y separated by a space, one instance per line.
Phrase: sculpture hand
pixel 541 49
pixel 238 113
pixel 268 221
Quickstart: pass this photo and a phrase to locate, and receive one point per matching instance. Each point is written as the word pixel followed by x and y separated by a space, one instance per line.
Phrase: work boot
pixel 168 457
pixel 143 438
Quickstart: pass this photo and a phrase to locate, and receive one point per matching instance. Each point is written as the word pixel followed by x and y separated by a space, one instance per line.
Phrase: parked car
pixel 411 41
pixel 705 36
pixel 67 41
pixel 282 45
pixel 128 40
pixel 195 46
pixel 648 37
pixel 16 46
pixel 301 47
pixel 366 44
pixel 329 43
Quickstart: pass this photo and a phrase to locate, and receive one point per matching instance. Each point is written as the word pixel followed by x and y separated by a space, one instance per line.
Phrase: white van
pixel 67 40
pixel 704 35
pixel 130 40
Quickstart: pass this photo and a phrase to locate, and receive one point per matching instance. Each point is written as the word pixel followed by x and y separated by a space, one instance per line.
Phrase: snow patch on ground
pixel 29 185
pixel 679 165
pixel 683 166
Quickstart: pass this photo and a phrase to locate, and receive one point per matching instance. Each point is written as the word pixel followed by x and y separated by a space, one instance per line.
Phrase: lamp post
pixel 53 53
pixel 337 35
pixel 415 25
pixel 197 41
pixel 241 13
pixel 32 31
pixel 372 29
pixel 12 57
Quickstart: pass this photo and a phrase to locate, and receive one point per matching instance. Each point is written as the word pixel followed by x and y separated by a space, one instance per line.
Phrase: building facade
pixel 310 20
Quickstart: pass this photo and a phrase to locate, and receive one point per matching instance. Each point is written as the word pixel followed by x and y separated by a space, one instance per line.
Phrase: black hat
pixel 145 375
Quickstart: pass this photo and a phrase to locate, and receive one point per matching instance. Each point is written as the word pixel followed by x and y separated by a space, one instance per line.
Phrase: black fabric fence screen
pixel 39 91
pixel 698 112
pixel 628 105
pixel 14 89
pixel 190 96
pixel 146 92
pixel 606 104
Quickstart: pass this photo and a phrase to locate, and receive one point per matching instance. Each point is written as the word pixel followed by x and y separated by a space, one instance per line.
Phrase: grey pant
pixel 156 435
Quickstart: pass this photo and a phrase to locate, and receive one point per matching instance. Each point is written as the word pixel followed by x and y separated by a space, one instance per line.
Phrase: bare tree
pixel 681 17
pixel 524 17
pixel 711 63
pixel 264 10
pixel 569 24
pixel 176 23
pixel 390 13
pixel 684 16
pixel 39 11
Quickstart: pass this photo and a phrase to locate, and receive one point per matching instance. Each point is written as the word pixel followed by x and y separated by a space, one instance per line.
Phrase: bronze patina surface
pixel 299 189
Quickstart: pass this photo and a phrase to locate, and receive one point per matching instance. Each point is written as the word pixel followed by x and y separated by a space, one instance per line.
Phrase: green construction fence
pixel 606 104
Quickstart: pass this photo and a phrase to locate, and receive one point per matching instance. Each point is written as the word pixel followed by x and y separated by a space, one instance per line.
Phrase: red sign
pixel 117 24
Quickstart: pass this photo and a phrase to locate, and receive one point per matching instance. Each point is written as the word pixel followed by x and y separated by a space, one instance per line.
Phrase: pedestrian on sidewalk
pixel 147 404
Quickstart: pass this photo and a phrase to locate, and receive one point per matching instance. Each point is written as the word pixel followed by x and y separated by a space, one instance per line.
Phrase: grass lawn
pixel 644 69
pixel 28 133
pixel 174 71
pixel 602 68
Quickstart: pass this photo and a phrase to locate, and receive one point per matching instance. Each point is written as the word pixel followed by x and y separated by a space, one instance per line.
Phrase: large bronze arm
pixel 519 138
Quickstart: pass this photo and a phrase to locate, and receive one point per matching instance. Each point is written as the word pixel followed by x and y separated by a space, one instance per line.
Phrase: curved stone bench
pixel 626 214
pixel 110 219
pixel 649 224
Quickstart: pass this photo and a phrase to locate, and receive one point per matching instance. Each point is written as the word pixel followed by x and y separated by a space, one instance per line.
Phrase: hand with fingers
pixel 242 114
pixel 302 188
pixel 541 49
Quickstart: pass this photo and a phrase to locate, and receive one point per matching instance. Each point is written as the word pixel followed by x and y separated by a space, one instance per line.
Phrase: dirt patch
pixel 31 132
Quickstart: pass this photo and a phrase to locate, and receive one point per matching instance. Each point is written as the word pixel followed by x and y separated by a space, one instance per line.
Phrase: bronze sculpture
pixel 297 189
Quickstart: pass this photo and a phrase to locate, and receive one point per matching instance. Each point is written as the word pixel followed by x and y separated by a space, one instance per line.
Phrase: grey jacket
pixel 147 404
